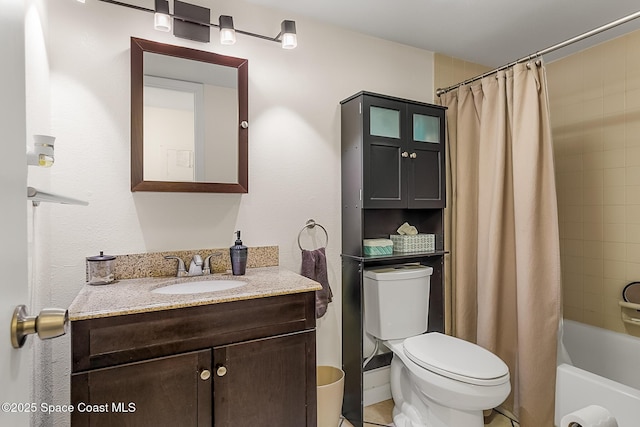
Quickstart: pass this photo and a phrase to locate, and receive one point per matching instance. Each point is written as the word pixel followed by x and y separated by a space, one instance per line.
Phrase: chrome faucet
pixel 207 264
pixel 182 272
pixel 197 267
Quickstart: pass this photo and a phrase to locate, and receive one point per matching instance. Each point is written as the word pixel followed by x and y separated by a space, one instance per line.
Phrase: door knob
pixel 205 374
pixel 221 371
pixel 50 323
pixel 405 154
pixel 413 155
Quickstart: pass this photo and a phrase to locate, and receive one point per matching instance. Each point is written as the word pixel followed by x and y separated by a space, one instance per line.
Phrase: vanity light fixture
pixel 161 18
pixel 193 22
pixel 288 33
pixel 227 32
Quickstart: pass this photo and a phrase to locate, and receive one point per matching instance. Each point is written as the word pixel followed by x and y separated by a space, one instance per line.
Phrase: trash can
pixel 330 394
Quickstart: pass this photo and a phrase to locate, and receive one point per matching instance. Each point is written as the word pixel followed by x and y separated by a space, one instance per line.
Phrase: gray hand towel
pixel 314 266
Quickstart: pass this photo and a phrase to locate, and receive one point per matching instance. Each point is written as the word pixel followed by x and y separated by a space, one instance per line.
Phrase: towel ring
pixel 312 224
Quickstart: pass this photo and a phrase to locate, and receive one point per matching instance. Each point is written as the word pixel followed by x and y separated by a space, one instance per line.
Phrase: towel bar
pixel 312 224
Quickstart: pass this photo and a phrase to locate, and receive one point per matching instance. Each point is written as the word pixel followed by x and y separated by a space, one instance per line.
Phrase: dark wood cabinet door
pixel 403 155
pixel 384 127
pixel 425 164
pixel 267 382
pixel 168 391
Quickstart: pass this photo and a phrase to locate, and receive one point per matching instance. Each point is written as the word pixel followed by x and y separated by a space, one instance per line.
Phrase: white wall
pixel 294 145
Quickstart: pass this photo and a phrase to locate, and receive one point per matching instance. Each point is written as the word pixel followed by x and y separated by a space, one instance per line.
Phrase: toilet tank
pixel 396 300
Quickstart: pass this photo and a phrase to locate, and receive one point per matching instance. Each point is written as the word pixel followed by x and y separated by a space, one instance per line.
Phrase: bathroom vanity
pixel 240 357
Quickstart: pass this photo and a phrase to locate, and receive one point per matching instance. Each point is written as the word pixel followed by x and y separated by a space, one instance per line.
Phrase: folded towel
pixel 407 229
pixel 314 266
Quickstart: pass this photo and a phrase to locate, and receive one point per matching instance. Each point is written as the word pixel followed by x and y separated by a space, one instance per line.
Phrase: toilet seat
pixel 456 359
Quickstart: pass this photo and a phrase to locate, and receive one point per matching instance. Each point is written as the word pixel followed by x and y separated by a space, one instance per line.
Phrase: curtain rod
pixel 545 51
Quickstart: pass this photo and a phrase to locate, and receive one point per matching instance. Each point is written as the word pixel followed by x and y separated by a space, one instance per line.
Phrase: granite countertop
pixel 135 296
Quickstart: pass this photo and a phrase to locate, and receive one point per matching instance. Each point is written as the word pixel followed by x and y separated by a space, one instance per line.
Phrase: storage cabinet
pixel 272 374
pixel 240 363
pixel 402 151
pixel 392 172
pixel 173 390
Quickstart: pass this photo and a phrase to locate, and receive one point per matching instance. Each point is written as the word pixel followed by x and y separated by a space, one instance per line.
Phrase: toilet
pixel 436 380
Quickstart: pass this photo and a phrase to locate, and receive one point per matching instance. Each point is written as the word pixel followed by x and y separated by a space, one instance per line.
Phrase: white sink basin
pixel 199 287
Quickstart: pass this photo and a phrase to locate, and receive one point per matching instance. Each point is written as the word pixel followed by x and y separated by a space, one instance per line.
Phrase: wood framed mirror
pixel 189 120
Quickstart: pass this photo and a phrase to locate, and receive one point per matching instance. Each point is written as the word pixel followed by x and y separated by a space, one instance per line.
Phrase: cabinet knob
pixel 205 374
pixel 405 154
pixel 413 155
pixel 221 371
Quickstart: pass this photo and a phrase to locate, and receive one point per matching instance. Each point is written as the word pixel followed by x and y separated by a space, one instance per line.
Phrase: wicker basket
pixel 416 243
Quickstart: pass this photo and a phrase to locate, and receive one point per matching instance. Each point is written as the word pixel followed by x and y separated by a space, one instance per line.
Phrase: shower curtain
pixel 503 222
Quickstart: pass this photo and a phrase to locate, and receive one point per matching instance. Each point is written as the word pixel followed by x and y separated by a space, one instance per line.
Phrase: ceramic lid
pixel 456 359
pixel 398 272
pixel 101 257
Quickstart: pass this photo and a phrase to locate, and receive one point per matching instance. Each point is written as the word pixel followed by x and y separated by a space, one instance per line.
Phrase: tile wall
pixel 449 71
pixel 595 116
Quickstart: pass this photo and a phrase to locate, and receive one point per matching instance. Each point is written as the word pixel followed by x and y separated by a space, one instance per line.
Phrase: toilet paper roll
pixel 590 416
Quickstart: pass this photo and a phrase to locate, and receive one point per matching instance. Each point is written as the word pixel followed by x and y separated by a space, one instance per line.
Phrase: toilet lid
pixel 456 359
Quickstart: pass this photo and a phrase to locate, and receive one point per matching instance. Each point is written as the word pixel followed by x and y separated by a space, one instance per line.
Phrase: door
pixel 425 166
pixel 167 391
pixel 383 153
pixel 15 365
pixel 266 382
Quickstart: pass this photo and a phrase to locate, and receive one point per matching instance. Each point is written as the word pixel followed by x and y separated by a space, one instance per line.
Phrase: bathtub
pixel 604 370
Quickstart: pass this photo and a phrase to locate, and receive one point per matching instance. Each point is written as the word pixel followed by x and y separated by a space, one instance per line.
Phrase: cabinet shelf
pixel 395 256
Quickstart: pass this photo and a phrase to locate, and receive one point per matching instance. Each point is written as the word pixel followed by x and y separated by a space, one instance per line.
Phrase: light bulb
pixel 162 22
pixel 288 32
pixel 161 19
pixel 227 36
pixel 289 41
pixel 227 31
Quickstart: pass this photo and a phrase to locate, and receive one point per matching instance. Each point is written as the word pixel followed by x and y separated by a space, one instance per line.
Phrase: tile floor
pixel 380 415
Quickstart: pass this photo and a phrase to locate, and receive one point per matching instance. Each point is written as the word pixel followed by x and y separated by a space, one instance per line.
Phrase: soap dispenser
pixel 238 254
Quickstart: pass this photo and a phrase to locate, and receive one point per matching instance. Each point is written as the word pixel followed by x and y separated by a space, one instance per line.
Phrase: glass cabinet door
pixel 386 133
pixel 426 157
pixel 384 122
pixel 426 128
